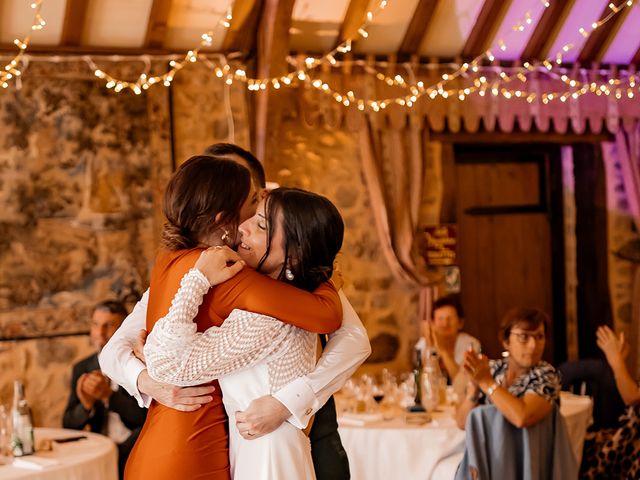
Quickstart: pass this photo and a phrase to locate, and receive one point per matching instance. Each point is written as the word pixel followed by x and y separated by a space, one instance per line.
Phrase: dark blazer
pixel 76 417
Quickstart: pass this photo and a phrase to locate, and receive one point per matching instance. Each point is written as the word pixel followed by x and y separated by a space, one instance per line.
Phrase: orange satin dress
pixel 177 445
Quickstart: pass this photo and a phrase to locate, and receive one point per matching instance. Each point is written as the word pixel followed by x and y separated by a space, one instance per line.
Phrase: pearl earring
pixel 289 275
pixel 225 236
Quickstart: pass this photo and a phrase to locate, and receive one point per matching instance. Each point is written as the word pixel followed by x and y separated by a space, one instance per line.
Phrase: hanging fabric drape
pixel 393 165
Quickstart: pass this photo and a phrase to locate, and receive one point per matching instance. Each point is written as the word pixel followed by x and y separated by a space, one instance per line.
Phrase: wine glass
pixel 5 436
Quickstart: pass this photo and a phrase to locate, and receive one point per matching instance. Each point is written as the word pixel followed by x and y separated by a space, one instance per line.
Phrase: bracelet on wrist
pixel 492 388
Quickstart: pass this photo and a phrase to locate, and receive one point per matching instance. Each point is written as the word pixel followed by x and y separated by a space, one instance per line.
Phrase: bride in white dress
pixel 294 236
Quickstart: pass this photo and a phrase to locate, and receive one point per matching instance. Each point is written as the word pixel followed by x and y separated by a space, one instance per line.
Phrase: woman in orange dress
pixel 204 202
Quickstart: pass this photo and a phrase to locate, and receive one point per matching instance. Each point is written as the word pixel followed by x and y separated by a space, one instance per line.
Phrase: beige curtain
pixel 626 149
pixel 393 162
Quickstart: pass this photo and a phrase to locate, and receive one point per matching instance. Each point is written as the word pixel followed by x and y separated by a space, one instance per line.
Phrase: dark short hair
pixel 529 318
pixel 448 301
pixel 111 306
pixel 203 187
pixel 226 149
pixel 313 231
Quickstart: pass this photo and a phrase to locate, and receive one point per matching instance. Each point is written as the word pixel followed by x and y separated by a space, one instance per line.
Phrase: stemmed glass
pixel 5 436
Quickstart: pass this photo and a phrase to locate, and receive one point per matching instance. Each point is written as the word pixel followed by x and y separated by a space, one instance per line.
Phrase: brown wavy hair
pixel 203 187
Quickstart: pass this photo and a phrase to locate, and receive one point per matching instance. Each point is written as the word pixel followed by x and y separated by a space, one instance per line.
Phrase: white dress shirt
pixel 346 350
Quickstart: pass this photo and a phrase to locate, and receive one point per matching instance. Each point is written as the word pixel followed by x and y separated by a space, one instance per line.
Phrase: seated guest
pixel 522 386
pixel 443 331
pixel 94 400
pixel 614 453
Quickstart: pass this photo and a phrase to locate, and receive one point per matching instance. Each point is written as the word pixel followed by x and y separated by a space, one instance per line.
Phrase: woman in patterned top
pixel 614 453
pixel 522 386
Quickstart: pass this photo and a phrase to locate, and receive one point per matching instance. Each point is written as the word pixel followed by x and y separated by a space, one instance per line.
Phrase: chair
pixel 594 377
pixel 496 450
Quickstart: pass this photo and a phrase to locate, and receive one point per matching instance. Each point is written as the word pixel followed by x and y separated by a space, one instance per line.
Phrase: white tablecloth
pixel 95 458
pixel 394 450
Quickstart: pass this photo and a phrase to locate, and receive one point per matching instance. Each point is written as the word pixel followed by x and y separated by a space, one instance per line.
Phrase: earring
pixel 225 236
pixel 289 275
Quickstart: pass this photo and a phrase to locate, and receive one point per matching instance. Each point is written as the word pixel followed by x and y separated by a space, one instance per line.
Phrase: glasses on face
pixel 523 337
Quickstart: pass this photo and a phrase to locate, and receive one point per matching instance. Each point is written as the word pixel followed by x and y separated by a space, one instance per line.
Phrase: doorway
pixel 510 238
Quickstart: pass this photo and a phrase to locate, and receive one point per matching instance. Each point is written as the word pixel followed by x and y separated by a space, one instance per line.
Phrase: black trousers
pixel 330 460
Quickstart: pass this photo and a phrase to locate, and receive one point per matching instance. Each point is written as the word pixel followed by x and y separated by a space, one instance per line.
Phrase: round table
pixel 95 458
pixel 394 449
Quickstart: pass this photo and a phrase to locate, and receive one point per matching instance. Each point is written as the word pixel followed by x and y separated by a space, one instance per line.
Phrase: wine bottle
pixel 417 375
pixel 22 441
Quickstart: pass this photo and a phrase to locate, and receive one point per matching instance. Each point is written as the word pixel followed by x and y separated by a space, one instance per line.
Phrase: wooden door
pixel 505 238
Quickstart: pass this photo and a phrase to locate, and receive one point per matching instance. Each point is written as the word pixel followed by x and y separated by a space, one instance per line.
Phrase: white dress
pixel 251 355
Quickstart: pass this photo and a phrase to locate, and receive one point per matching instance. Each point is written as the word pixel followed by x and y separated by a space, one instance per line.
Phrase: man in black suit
pixel 93 401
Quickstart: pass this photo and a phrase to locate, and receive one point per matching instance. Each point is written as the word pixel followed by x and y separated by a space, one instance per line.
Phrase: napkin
pixel 34 463
pixel 359 419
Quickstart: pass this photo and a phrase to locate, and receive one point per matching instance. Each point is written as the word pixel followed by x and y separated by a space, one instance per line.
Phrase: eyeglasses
pixel 524 337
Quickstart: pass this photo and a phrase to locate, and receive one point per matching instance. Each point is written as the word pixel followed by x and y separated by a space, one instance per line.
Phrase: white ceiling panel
pixel 117 23
pixel 315 25
pixel 388 28
pixel 451 25
pixel 515 41
pixel 583 14
pixel 16 17
pixel 627 41
pixel 189 19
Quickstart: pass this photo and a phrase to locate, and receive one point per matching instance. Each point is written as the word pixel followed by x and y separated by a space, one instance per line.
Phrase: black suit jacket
pixel 76 417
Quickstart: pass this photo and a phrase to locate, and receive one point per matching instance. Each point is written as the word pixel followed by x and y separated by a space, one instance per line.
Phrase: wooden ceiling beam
pixel 485 28
pixel 598 42
pixel 547 30
pixel 75 15
pixel 419 27
pixel 241 35
pixel 636 58
pixel 157 24
pixel 353 18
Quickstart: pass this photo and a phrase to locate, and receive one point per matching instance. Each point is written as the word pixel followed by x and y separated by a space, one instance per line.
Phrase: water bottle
pixel 433 381
pixel 22 440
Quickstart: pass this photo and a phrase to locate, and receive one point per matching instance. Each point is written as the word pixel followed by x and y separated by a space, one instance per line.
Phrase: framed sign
pixel 440 243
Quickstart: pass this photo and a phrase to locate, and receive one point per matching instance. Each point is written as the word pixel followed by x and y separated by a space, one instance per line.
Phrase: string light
pixel 412 91
pixel 12 69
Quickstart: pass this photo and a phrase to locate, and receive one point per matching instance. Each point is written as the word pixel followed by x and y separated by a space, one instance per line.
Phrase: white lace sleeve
pixel 177 354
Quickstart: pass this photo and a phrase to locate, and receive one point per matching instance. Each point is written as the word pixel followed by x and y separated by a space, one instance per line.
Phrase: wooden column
pixel 273 48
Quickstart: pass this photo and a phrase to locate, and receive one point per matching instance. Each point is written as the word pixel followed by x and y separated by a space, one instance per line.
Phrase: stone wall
pixel 82 172
pixel 77 171
pixel 327 161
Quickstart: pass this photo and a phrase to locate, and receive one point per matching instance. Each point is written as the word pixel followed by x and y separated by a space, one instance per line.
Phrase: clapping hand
pixel 614 347
pixel 477 366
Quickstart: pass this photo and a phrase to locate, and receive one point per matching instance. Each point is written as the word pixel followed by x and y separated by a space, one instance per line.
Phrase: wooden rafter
pixel 353 18
pixel 485 28
pixel 75 15
pixel 547 30
pixel 419 26
pixel 273 48
pixel 241 36
pixel 636 58
pixel 598 42
pixel 157 24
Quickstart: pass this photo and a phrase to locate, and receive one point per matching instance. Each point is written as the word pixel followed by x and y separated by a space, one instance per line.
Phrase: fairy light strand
pixel 12 70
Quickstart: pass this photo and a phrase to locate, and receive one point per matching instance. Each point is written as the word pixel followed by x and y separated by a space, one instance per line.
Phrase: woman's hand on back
pixel 219 264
